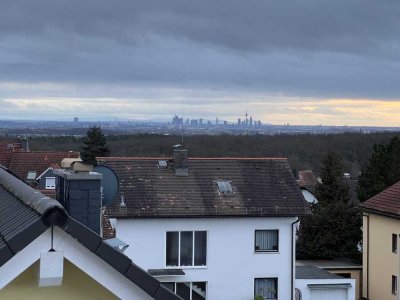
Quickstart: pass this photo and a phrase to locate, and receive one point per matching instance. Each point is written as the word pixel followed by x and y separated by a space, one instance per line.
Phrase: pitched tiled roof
pixel 26 213
pixel 23 162
pixel 108 232
pixel 260 187
pixel 5 158
pixel 386 202
pixel 307 180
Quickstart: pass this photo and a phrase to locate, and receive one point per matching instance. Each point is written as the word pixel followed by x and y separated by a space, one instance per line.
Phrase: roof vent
pixel 122 203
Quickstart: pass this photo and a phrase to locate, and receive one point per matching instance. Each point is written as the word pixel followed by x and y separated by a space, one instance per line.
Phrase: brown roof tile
pixel 386 202
pixel 261 187
pixel 22 162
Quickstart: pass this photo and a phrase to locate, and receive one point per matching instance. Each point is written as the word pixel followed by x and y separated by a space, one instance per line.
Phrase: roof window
pixel 31 175
pixel 162 164
pixel 224 186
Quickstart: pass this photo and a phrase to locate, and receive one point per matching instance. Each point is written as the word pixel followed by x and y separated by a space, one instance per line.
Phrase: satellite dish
pixel 109 183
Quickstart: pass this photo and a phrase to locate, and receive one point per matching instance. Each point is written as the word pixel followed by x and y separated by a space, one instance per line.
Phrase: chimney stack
pixel 180 155
pixel 79 191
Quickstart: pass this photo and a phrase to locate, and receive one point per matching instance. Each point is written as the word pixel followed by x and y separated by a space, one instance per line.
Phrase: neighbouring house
pixel 341 268
pixel 36 167
pixel 47 254
pixel 307 182
pixel 313 283
pixel 381 253
pixel 210 228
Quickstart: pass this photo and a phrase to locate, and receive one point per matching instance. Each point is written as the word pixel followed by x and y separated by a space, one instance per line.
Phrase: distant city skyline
pixel 302 62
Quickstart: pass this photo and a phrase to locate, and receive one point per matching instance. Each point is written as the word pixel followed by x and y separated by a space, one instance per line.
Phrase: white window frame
pixel 265 251
pixel 267 277
pixel 179 250
pixel 191 285
pixel 48 187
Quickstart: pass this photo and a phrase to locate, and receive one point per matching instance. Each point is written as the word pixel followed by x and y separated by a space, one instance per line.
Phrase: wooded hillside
pixel 303 151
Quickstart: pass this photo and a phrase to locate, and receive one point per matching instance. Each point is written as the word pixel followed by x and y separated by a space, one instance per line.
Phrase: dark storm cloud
pixel 299 48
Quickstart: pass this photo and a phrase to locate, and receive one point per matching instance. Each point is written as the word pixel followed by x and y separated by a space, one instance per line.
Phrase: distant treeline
pixel 303 151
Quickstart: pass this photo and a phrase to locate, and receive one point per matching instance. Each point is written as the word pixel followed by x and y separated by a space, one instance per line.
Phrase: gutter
pixel 293 259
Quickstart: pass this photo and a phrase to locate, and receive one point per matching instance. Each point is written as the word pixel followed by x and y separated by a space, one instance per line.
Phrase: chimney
pixel 25 144
pixel 79 191
pixel 180 155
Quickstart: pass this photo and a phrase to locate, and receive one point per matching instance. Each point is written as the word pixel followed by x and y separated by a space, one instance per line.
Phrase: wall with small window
pixel 228 254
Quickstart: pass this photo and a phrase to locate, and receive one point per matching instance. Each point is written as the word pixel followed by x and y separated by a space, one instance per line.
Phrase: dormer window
pixel 31 175
pixel 224 186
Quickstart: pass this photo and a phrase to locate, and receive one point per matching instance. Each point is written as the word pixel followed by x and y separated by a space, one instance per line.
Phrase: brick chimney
pixel 180 155
pixel 79 191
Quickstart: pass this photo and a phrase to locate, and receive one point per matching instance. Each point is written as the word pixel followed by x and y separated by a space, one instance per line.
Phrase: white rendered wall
pixel 232 263
pixel 330 293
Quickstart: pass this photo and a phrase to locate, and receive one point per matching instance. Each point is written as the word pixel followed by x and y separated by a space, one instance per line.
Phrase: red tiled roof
pixel 307 179
pixel 22 162
pixel 5 158
pixel 386 202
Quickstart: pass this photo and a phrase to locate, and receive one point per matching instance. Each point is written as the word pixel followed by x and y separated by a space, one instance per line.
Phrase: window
pixel 394 243
pixel 50 183
pixel 394 284
pixel 31 175
pixel 266 287
pixel 266 241
pixel 188 290
pixel 224 186
pixel 186 248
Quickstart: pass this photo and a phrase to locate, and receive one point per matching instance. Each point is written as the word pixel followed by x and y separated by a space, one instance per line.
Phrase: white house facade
pixel 210 228
pixel 229 258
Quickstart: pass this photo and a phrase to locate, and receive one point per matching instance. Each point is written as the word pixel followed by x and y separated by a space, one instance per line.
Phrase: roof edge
pixel 51 211
pixel 378 212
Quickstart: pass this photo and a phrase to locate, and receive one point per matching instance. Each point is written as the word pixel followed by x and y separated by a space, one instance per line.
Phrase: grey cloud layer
pixel 310 48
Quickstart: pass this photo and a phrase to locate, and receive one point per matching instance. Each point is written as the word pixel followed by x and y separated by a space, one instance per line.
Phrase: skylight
pixel 224 186
pixel 31 175
pixel 162 164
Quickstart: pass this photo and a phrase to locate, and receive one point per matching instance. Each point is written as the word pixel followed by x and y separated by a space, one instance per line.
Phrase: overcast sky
pixel 302 62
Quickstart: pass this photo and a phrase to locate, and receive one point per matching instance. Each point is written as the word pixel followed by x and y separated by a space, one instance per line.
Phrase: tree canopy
pixel 334 229
pixel 382 170
pixel 95 145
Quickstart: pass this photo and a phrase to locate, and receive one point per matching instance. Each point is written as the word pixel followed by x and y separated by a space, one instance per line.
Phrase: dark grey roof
pixel 165 272
pixel 260 187
pixel 328 264
pixel 26 213
pixel 311 272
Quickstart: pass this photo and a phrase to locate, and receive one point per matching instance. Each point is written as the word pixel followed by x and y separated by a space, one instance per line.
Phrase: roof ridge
pixel 189 158
pixel 51 211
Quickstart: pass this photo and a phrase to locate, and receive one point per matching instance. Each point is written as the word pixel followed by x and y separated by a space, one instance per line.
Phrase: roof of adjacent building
pixel 307 180
pixel 25 214
pixel 20 163
pixel 328 264
pixel 386 202
pixel 312 272
pixel 260 187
